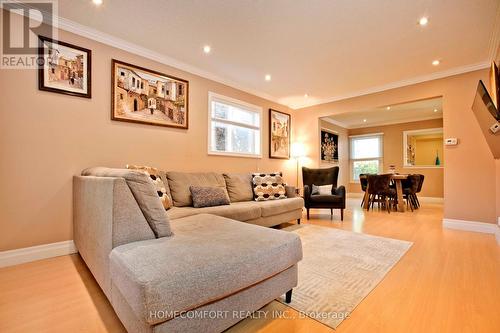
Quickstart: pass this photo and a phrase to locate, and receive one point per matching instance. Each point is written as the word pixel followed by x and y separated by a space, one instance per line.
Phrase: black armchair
pixel 335 200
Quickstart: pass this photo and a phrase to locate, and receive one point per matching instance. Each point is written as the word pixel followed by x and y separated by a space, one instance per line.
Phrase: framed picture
pixel 329 143
pixel 140 95
pixel 66 68
pixel 279 134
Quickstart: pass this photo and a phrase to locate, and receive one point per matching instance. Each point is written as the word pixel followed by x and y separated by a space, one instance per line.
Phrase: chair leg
pixel 288 296
pixel 342 214
pixel 331 211
pixel 418 202
pixel 307 213
pixel 387 205
pixel 363 200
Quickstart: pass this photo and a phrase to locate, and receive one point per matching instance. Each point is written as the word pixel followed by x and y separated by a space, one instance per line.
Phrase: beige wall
pixel 393 154
pixel 46 138
pixel 469 186
pixel 427 150
pixel 343 151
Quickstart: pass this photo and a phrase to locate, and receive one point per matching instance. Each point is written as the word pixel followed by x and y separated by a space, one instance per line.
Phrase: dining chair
pixel 420 184
pixel 410 188
pixel 379 191
pixel 363 180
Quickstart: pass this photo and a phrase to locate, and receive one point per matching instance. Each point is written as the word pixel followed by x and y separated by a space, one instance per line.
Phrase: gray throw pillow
pixel 208 196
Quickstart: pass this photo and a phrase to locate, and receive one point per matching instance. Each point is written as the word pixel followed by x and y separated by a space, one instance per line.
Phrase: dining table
pixel 398 179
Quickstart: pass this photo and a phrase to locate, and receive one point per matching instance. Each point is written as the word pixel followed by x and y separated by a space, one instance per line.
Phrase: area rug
pixel 339 269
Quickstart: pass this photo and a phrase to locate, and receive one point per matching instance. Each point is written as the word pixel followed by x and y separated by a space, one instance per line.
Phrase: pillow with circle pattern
pixel 268 186
pixel 160 187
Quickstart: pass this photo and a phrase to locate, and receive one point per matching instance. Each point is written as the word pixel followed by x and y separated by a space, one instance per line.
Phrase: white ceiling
pixel 327 49
pixel 390 114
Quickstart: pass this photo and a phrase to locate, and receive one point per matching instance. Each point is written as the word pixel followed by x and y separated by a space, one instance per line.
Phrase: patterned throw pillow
pixel 268 186
pixel 205 196
pixel 154 174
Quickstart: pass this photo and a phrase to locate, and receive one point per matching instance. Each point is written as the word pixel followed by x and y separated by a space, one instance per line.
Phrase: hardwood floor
pixel 449 281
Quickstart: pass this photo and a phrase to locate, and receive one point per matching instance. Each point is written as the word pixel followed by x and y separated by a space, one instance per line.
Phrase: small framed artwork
pixel 66 68
pixel 141 95
pixel 279 134
pixel 329 143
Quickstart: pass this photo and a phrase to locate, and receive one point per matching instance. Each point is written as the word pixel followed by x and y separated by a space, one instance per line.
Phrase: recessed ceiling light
pixel 388 108
pixel 97 2
pixel 436 62
pixel 435 110
pixel 267 77
pixel 423 21
pixel 306 95
pixel 364 120
pixel 207 49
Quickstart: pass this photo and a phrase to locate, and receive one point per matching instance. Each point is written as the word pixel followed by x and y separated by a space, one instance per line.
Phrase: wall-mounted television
pixel 494 84
pixel 487 100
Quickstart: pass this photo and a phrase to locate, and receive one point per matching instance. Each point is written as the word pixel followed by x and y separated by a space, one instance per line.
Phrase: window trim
pixel 352 160
pixel 237 103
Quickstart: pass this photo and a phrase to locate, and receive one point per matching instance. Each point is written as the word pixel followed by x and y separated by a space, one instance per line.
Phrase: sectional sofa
pixel 184 269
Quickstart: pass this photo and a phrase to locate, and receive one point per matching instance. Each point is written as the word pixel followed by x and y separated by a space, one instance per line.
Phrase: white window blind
pixel 366 154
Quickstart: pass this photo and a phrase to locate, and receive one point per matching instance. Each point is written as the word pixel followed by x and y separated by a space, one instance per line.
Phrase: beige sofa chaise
pixel 186 269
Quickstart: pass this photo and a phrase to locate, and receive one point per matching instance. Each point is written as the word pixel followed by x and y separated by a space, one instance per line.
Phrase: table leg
pixel 399 191
pixel 366 203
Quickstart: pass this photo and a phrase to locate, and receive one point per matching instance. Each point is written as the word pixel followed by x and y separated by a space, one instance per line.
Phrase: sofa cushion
pixel 159 182
pixel 179 183
pixel 240 211
pixel 206 196
pixel 275 207
pixel 145 194
pixel 268 186
pixel 208 258
pixel 239 186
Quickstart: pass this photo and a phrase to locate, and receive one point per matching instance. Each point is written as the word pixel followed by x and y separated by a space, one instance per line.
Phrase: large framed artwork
pixel 279 134
pixel 66 68
pixel 329 143
pixel 140 95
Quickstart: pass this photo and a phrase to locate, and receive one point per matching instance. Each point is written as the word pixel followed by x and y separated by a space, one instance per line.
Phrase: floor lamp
pixel 298 152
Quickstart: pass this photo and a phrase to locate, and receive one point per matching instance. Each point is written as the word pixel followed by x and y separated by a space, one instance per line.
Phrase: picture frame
pixel 145 96
pixel 280 124
pixel 328 145
pixel 66 69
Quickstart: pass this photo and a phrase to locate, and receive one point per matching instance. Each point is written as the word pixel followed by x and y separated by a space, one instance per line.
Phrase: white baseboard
pixel 487 228
pixel 27 254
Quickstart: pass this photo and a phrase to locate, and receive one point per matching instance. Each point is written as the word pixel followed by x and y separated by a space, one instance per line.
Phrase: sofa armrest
pixel 290 191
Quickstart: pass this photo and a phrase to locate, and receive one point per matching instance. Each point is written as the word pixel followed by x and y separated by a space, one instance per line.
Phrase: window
pixel 366 154
pixel 234 127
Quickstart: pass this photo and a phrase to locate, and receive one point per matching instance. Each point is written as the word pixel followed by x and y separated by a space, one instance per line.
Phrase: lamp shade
pixel 298 150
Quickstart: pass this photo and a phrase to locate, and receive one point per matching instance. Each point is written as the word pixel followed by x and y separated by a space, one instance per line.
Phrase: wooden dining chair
pixel 410 188
pixel 380 192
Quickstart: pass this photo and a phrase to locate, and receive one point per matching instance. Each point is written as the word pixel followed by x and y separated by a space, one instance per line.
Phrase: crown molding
pixel 104 38
pixel 99 36
pixel 379 123
pixel 334 122
pixel 399 84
